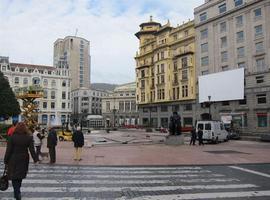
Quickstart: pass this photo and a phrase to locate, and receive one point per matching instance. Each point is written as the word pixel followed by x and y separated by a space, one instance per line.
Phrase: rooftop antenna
pixel 76 32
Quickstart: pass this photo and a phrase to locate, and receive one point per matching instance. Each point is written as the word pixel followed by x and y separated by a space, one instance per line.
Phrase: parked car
pixel 213 131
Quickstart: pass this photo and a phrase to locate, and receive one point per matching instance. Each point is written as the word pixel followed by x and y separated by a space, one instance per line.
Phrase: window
pixel 188 107
pixel 53 83
pixel 204 61
pixel 259 47
pixel 222 27
pixel 25 81
pixel 257 13
pixel 45 94
pixel 184 74
pixel 225 68
pixel 204 34
pixel 175 66
pixel 258 31
pixel 243 101
pixel 52 94
pixel 259 79
pixel 242 65
pixel 16 80
pixel 4 68
pixel 204 47
pixel 63 95
pixel 240 36
pixel 261 98
pixel 127 106
pixel 64 83
pixel 203 17
pixel 223 42
pixel 238 3
pixel 222 8
pixel 240 52
pixel 45 82
pixel 208 127
pixel 164 108
pixel 36 81
pixel 63 105
pixel 184 62
pixel 142 84
pixel 52 105
pixel 239 21
pixel 184 91
pixel 260 64
pixel 262 119
pixel 107 106
pixel 224 56
pixel 44 105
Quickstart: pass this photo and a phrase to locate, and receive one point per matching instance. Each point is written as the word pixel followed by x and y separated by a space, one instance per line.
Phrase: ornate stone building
pixel 165 73
pixel 54 107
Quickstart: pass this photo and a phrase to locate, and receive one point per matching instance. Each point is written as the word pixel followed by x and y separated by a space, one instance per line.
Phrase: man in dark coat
pixel 193 136
pixel 17 157
pixel 175 124
pixel 78 140
pixel 200 136
pixel 51 144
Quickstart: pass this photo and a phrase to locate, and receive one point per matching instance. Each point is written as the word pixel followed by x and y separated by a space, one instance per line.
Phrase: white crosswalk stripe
pixel 138 183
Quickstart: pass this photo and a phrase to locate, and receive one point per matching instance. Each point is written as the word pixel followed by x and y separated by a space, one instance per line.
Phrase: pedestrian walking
pixel 37 136
pixel 200 136
pixel 193 136
pixel 175 124
pixel 51 144
pixel 17 157
pixel 78 140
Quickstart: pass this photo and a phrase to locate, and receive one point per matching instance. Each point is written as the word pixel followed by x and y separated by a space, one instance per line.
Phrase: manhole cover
pixel 226 152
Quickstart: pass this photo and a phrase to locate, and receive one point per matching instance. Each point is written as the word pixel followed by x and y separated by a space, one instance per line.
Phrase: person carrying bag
pixel 4 180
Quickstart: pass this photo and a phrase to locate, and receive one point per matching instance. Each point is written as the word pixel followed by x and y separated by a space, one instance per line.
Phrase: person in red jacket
pixel 12 128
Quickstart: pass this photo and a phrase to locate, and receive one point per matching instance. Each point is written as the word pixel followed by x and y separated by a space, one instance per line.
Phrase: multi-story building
pixel 54 107
pixel 165 73
pixel 73 53
pixel 119 107
pixel 234 34
pixel 85 102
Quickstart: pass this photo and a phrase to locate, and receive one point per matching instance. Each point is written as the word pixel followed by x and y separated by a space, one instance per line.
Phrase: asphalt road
pixel 229 182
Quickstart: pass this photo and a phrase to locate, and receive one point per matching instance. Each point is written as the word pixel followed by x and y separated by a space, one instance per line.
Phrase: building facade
pixel 54 107
pixel 119 107
pixel 73 53
pixel 85 102
pixel 234 34
pixel 165 73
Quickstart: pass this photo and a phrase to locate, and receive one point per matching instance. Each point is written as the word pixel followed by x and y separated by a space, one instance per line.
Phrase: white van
pixel 213 131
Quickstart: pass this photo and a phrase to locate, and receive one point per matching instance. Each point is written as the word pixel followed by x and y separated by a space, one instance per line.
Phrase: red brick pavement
pixel 160 154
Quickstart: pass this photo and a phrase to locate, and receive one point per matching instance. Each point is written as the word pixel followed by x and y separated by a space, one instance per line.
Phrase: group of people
pixel 194 135
pixel 21 140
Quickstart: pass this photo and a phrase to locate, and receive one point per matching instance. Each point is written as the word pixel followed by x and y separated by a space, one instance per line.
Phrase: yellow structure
pixel 165 71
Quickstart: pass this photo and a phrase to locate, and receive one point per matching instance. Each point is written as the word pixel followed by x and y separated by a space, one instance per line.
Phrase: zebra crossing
pixel 136 183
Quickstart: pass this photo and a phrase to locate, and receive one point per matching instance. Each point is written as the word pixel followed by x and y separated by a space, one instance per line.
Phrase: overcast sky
pixel 28 29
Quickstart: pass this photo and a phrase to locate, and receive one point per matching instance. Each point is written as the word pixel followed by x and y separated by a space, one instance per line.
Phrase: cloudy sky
pixel 28 29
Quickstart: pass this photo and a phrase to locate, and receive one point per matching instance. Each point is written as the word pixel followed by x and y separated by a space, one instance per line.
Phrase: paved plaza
pixel 138 165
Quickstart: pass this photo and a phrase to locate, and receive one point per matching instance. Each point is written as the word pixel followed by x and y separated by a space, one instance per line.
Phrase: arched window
pixel 36 81
pixel 64 83
pixel 45 82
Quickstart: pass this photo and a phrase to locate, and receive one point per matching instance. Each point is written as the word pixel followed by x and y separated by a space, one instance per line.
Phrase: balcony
pixel 183 51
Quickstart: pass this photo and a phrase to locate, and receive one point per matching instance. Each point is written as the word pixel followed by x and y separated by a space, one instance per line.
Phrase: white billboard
pixel 222 86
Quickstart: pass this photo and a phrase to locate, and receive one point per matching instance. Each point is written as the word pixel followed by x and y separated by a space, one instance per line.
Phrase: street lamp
pixel 209 102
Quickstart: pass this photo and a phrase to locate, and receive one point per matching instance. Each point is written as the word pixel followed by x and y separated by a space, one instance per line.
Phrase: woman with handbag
pixel 17 157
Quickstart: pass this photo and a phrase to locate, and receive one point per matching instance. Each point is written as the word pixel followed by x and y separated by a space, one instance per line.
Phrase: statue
pixel 175 124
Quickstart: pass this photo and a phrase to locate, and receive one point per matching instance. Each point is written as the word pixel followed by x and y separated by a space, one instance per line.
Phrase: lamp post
pixel 209 102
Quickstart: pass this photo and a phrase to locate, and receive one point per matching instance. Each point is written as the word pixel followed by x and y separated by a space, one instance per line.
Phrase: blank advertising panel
pixel 222 86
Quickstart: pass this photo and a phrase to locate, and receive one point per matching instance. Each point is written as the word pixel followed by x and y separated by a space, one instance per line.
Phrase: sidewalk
pixel 149 150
